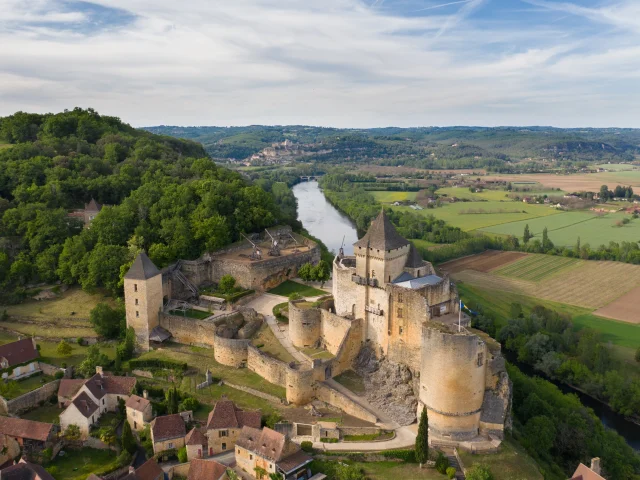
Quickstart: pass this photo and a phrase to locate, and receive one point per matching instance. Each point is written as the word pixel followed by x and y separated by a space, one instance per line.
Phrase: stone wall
pixel 344 290
pixel 269 368
pixel 230 351
pixel 328 395
pixel 299 385
pixel 407 310
pixel 254 392
pixel 192 331
pixel 48 369
pixel 349 348
pixel 29 400
pixel 180 470
pixel 304 325
pixel 334 330
pixel 359 430
pixel 143 304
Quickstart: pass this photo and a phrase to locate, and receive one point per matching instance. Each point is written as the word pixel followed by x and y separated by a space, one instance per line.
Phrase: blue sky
pixel 343 63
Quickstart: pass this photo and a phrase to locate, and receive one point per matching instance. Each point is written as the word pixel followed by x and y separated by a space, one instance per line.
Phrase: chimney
pixel 145 394
pixel 131 469
pixel 99 370
pixel 595 465
pixel 35 346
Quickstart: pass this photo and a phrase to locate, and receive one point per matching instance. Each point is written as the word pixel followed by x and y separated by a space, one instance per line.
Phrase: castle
pixel 387 299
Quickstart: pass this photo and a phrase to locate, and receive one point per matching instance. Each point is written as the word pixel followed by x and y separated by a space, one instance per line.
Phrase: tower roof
pixel 142 268
pixel 382 235
pixel 414 260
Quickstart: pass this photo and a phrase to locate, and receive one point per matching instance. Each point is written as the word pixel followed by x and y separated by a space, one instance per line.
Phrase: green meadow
pixel 390 197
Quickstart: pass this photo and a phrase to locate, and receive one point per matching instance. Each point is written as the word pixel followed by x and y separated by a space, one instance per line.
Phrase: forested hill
pixel 496 148
pixel 160 194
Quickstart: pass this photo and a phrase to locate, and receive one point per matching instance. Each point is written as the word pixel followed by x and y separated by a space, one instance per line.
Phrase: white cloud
pixel 336 62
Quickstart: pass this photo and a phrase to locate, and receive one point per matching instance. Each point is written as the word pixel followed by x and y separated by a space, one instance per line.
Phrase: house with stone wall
pixel 168 432
pixel 31 436
pixel 225 423
pixel 139 411
pixel 19 359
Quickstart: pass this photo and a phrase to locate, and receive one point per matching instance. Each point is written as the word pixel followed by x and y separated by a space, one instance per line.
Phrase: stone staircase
pixel 453 461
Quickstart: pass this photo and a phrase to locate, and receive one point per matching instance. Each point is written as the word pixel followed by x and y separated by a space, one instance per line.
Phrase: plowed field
pixel 537 267
pixel 624 308
pixel 483 262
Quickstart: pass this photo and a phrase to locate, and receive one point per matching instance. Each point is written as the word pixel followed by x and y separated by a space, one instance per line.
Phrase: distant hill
pixel 429 147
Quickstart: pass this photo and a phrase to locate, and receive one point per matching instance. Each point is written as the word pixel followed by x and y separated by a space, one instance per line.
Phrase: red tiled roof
pixel 25 471
pixel 205 469
pixel 85 405
pixel 137 403
pixel 226 415
pixel 294 461
pixel 168 427
pixel 585 473
pixel 70 386
pixel 195 437
pixel 149 470
pixel 92 206
pixel 266 443
pixel 18 427
pixel 19 351
pixel 99 385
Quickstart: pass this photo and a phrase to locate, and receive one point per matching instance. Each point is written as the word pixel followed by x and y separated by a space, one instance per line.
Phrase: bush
pixel 451 472
pixel 442 463
pixel 329 440
pixel 295 296
pixel 406 455
pixel 58 375
pixel 64 348
pixel 189 403
pixel 182 455
pixel 307 446
pixel 80 341
pixel 479 472
pixel 271 419
pixel 227 284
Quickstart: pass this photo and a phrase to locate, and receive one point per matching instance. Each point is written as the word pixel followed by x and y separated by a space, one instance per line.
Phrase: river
pixel 324 221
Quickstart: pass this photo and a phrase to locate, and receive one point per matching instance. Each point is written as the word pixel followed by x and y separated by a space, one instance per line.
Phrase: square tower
pixel 143 298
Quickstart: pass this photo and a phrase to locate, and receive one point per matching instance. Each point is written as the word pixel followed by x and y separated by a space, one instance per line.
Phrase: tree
pixel 182 455
pixel 527 234
pixel 227 284
pixel 275 476
pixel 231 475
pixel 108 435
pixel 604 193
pixel 64 348
pixel 321 272
pixel 125 349
pixel 479 472
pixel 93 359
pixel 260 472
pixel 172 400
pixel 305 272
pixel 546 243
pixel 541 431
pixel 107 321
pixel 422 440
pixel 72 432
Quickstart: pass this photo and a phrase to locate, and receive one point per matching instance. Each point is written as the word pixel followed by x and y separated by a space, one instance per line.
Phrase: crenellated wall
pixel 230 351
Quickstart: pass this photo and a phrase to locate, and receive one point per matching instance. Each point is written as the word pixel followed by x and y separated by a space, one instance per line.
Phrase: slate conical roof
pixel 382 235
pixel 142 268
pixel 414 260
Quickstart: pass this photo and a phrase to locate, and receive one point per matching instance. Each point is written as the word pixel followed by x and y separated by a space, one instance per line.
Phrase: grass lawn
pixel 79 464
pixel 50 330
pixel 49 354
pixel 27 385
pixel 288 287
pixel 390 197
pixel 47 413
pixel 202 358
pixel 73 300
pixel 284 306
pixel 351 380
pixel 616 167
pixel 369 437
pixel 398 470
pixel 191 313
pixel 319 353
pixel 271 345
pixel 510 463
pixel 497 303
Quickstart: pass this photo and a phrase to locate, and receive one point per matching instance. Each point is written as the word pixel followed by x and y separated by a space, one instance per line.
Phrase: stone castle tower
pixel 143 298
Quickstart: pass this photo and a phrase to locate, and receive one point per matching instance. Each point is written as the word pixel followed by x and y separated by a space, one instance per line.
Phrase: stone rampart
pixel 192 331
pixel 334 330
pixel 230 351
pixel 299 385
pixel 304 325
pixel 254 392
pixel 269 368
pixel 349 348
pixel 331 396
pixel 407 311
pixel 30 400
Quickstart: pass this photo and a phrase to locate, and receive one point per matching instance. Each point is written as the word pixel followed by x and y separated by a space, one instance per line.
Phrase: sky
pixel 340 63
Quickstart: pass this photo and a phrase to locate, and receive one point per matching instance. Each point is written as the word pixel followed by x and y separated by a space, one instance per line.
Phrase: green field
pixel 511 463
pixel 79 464
pixel 617 167
pixel 465 193
pixel 565 228
pixel 287 288
pixel 390 197
pixel 454 214
pixel 536 267
pixel 418 242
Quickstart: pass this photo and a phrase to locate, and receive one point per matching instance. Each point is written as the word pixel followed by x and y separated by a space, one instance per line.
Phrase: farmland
pixel 578 182
pixel 390 197
pixel 587 284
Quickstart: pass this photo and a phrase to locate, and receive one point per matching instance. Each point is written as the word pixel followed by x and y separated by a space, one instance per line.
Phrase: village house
pixel 99 394
pixel 196 444
pixel 19 358
pixel 32 436
pixel 168 433
pixel 68 389
pixel 225 424
pixel 25 471
pixel 139 411
pixel 585 473
pixel 206 469
pixel 149 470
pixel 272 452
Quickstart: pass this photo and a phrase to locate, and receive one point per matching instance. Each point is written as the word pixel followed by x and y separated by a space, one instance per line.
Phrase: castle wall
pixel 192 331
pixel 333 329
pixel 143 303
pixel 405 326
pixel 376 326
pixel 344 289
pixel 269 368
pixel 300 386
pixel 349 348
pixel 452 381
pixel 230 351
pixel 326 394
pixel 304 325
pixel 440 295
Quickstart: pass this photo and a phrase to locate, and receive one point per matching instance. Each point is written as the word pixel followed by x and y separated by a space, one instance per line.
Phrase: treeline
pixel 555 428
pixel 351 198
pixel 160 194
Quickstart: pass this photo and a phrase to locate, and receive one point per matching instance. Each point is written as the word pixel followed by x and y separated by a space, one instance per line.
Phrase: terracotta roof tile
pixel 168 427
pixel 137 403
pixel 226 415
pixel 294 461
pixel 19 427
pixel 195 437
pixel 99 385
pixel 149 470
pixel 205 470
pixel 266 442
pixel 70 386
pixel 19 351
pixel 585 473
pixel 382 235
pixel 85 405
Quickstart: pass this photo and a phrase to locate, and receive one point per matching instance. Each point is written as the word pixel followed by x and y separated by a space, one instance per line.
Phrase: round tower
pixel 299 385
pixel 452 381
pixel 304 325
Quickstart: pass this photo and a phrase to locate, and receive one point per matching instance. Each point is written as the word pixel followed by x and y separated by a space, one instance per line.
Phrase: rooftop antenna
pixel 256 254
pixel 274 251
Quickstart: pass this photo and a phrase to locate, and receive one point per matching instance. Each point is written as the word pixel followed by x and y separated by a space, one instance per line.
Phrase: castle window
pixel 400 331
pixel 389 279
pixel 135 287
pixel 399 313
pixel 480 359
pixel 399 297
pixel 137 314
pixel 136 301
